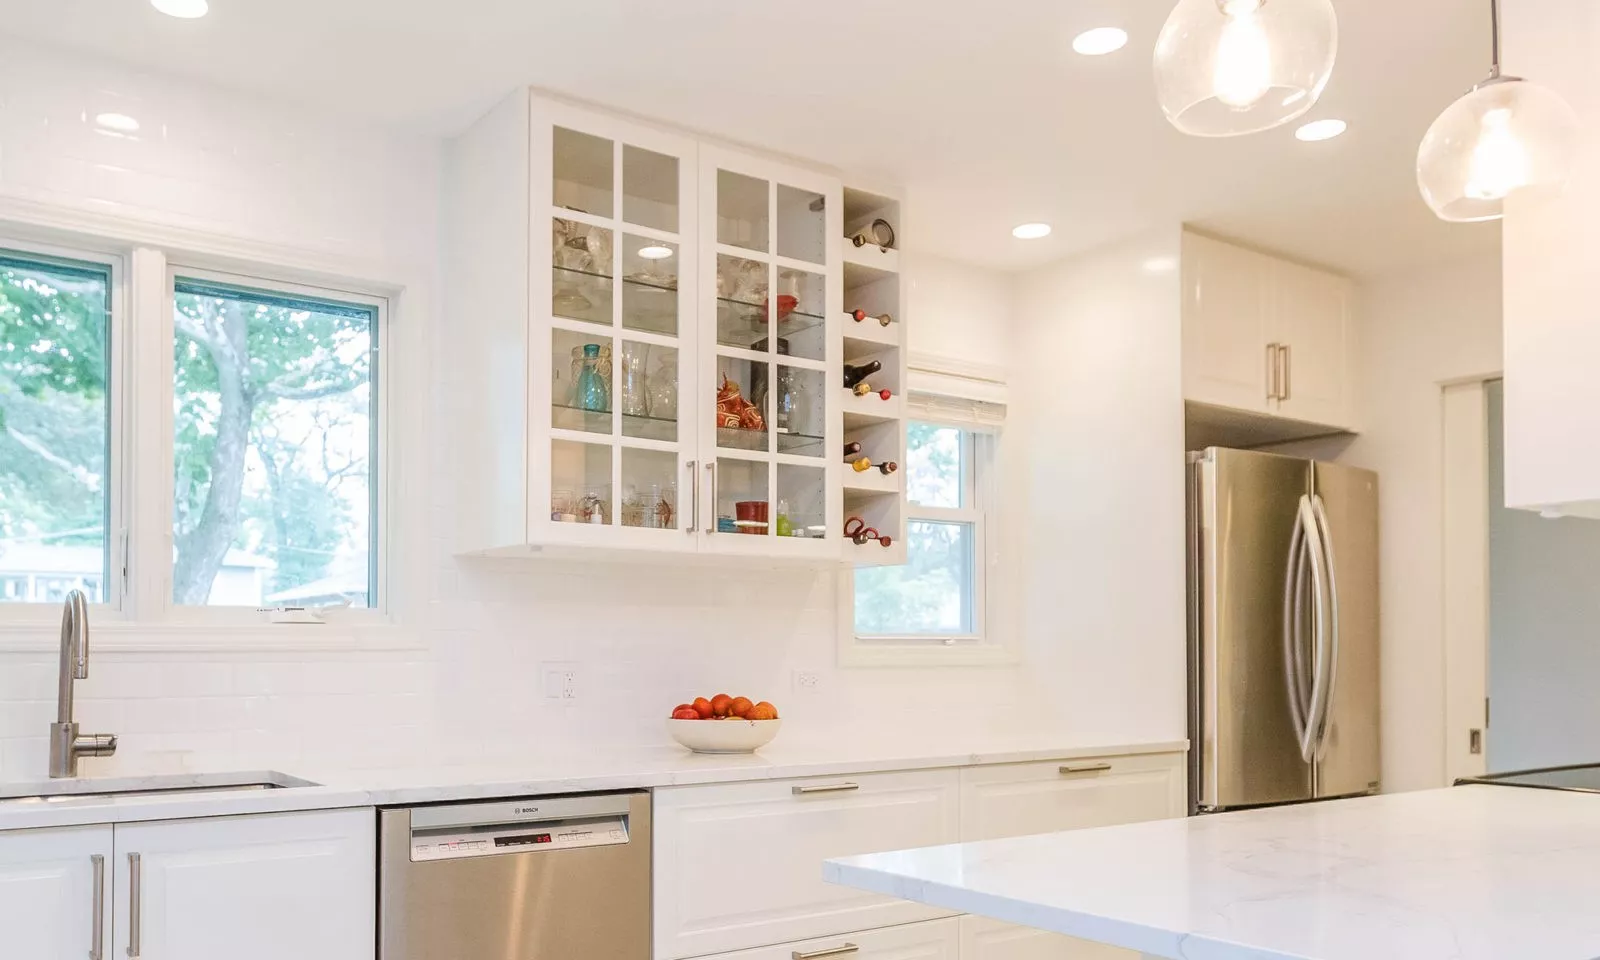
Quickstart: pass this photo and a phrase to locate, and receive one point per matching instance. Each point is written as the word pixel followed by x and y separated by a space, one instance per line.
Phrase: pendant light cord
pixel 1494 39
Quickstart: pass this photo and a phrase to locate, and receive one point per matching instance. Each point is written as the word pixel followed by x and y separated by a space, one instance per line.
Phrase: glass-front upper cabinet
pixel 616 283
pixel 770 302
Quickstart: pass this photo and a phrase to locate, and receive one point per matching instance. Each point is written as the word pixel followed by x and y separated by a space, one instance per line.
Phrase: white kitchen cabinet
pixel 654 324
pixel 928 940
pixel 55 894
pixel 1010 800
pixel 298 885
pixel 1265 336
pixel 740 865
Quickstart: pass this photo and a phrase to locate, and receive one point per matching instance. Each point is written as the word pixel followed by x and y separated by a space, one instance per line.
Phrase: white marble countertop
pixel 1465 873
pixel 538 774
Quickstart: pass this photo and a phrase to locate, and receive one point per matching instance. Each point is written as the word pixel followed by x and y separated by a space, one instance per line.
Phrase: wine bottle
pixel 852 448
pixel 887 467
pixel 861 465
pixel 862 389
pixel 855 373
pixel 859 315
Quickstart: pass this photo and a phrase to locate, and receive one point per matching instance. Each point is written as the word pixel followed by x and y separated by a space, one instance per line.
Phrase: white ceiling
pixel 980 109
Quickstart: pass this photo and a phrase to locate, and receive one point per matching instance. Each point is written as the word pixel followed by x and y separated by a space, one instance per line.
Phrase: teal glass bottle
pixel 592 391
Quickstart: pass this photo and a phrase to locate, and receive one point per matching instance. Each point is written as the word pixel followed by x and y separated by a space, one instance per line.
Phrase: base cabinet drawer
pixel 985 939
pixel 1017 799
pixel 740 865
pixel 929 940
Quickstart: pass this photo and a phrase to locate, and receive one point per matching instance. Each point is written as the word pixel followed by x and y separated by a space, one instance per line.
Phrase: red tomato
pixel 702 706
pixel 686 713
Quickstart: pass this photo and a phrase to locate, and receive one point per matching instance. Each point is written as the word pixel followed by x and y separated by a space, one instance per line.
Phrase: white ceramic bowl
pixel 724 736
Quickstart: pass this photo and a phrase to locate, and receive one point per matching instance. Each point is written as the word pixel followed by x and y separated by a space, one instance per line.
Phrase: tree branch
pixel 89 480
pixel 283 391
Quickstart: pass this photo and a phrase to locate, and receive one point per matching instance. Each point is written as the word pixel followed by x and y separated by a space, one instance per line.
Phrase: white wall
pixel 1095 468
pixel 642 637
pixel 1414 333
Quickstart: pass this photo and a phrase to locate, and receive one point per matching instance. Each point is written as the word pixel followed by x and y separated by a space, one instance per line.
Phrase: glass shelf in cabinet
pixel 580 295
pixel 566 417
pixel 801 444
pixel 739 438
pixel 742 325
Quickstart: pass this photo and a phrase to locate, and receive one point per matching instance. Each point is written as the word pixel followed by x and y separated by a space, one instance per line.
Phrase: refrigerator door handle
pixel 1319 632
pixel 1330 664
pixel 1294 661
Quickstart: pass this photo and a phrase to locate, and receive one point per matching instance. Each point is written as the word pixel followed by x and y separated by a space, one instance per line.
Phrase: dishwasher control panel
pixel 488 841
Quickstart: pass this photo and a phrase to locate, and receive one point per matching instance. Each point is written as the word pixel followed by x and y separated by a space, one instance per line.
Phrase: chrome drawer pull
pixel 826 788
pixel 135 905
pixel 1085 768
pixel 97 927
pixel 830 952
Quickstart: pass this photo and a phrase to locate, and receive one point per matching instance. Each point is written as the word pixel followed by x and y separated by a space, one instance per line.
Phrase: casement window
pixel 935 607
pixel 256 455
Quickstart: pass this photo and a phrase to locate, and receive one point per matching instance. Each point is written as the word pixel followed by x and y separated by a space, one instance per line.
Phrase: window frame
pixel 379 518
pixel 118 475
pixel 989 642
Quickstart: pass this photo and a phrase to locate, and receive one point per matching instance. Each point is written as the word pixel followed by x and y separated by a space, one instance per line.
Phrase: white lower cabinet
pixel 1018 799
pixel 298 885
pixel 740 865
pixel 928 940
pixel 53 898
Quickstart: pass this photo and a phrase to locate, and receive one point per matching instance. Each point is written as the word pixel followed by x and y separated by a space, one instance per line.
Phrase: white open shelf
pixel 870 409
pixel 868 260
pixel 868 336
pixel 870 482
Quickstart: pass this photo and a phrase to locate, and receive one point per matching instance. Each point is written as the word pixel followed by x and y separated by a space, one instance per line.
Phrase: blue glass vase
pixel 593 393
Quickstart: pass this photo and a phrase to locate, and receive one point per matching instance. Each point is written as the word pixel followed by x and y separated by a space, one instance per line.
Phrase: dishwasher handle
pixel 526 812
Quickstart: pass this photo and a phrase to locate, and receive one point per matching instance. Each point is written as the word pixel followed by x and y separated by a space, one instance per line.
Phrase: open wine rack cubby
pixel 874 331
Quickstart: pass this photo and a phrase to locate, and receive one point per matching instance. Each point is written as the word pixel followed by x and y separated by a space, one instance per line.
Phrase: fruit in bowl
pixel 724 724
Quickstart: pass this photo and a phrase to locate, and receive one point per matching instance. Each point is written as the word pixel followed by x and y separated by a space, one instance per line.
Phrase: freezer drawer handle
pixel 1085 768
pixel 826 788
pixel 830 952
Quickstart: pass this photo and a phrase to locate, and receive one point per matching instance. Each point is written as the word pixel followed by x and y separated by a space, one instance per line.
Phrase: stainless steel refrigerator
pixel 1283 630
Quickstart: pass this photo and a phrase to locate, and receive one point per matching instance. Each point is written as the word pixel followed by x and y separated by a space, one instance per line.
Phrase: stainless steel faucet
pixel 66 746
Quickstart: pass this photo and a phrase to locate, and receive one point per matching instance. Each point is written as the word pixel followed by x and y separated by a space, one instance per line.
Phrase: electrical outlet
pixel 560 680
pixel 807 681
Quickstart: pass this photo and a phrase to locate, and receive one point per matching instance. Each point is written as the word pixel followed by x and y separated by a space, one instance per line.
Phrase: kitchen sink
pixel 179 784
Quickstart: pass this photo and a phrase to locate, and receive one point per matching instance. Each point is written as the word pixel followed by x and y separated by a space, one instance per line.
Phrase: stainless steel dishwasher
pixel 543 878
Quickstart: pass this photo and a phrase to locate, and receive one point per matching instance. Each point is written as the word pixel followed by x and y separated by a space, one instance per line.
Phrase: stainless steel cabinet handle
pixel 711 468
pixel 826 788
pixel 1272 371
pixel 135 905
pixel 97 926
pixel 694 499
pixel 830 952
pixel 1085 768
pixel 1283 380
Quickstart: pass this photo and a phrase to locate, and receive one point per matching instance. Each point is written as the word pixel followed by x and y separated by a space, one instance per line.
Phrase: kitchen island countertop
pixel 1465 873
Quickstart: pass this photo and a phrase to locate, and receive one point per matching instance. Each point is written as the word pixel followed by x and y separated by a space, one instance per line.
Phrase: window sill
pixel 112 636
pixel 886 652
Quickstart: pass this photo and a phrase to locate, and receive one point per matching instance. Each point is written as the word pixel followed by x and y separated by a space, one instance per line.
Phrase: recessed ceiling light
pixel 1320 130
pixel 184 9
pixel 1100 41
pixel 117 122
pixel 655 252
pixel 1030 231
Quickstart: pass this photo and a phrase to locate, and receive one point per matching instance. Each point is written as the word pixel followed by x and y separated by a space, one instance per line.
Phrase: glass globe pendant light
pixel 1504 136
pixel 1231 67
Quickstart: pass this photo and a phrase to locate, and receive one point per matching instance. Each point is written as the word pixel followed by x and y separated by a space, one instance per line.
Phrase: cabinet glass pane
pixel 581 382
pixel 742 302
pixel 649 285
pixel 580 482
pixel 580 287
pixel 649 188
pixel 802 304
pixel 741 420
pixel 649 489
pixel 583 169
pixel 647 391
pixel 802 224
pixel 802 502
pixel 742 216
pixel 742 506
pixel 799 415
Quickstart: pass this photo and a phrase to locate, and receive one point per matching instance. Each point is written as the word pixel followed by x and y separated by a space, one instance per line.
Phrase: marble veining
pixel 1466 873
pixel 534 774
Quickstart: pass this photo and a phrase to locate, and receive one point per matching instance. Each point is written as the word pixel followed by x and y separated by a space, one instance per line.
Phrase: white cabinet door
pixel 54 893
pixel 740 865
pixel 1310 316
pixel 1225 335
pixel 1018 799
pixel 985 939
pixel 298 885
pixel 930 940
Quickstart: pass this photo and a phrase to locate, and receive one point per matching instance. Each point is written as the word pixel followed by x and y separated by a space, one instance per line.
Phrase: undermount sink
pixel 64 791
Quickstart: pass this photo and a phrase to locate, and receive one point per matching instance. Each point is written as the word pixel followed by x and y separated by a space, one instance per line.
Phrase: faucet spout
pixel 66 746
